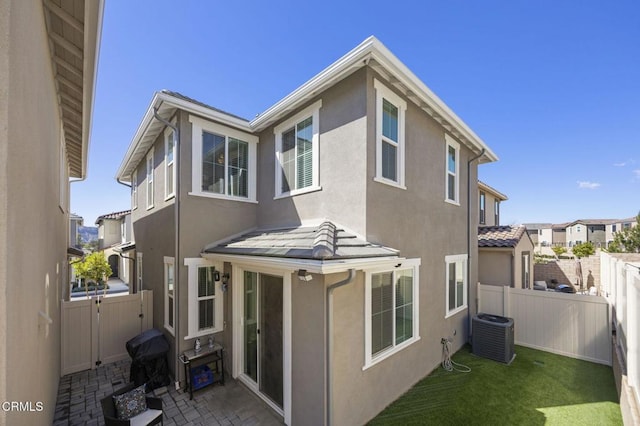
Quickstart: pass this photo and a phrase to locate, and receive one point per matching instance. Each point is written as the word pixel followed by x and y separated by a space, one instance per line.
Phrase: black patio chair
pixel 151 416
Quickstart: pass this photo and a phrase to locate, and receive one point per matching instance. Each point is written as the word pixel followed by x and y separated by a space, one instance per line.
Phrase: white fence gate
pixel 95 331
pixel 578 326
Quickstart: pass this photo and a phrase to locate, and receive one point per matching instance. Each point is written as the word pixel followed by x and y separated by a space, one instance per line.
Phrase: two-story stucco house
pixel 48 59
pixel 489 200
pixel 328 243
pixel 587 230
pixel 115 235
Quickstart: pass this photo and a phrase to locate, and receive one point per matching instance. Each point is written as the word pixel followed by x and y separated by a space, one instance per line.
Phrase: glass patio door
pixel 262 336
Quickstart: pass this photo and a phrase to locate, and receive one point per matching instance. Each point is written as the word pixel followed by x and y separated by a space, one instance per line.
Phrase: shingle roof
pixel 114 215
pixel 194 101
pixel 500 236
pixel 323 242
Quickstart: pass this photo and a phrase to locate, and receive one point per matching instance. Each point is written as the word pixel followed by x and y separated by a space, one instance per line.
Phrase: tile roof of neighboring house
pixel 483 186
pixel 322 242
pixel 114 215
pixel 500 236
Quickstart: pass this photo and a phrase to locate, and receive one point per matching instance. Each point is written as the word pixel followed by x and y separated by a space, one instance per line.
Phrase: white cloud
pixel 637 173
pixel 588 185
pixel 624 163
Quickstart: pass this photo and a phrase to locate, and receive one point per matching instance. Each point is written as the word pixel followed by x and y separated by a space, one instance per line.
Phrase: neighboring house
pixel 489 200
pixel 587 230
pixel 48 56
pixel 75 222
pixel 327 243
pixel 559 235
pixel 115 236
pixel 541 233
pixel 506 256
pixel 616 225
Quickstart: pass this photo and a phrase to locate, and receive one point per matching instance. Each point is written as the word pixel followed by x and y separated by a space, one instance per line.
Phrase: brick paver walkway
pixel 79 398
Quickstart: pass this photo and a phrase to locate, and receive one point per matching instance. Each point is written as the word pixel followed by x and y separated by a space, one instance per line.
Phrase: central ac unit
pixel 492 337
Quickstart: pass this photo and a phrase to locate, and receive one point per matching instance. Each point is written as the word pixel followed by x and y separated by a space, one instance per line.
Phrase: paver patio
pixel 79 396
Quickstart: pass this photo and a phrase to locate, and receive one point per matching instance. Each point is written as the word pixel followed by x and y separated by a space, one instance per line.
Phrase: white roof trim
pixel 313 266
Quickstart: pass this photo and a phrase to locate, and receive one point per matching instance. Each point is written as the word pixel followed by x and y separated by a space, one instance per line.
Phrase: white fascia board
pixel 340 69
pixel 163 101
pixel 313 266
pixel 389 61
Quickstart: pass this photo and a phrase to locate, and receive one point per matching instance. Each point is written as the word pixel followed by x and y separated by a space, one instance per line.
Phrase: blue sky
pixel 552 87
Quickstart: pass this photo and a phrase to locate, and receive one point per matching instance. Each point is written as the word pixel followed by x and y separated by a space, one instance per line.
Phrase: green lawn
pixel 538 388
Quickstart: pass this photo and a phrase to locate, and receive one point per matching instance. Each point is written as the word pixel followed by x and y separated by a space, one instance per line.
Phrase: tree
pixel 93 267
pixel 627 240
pixel 583 250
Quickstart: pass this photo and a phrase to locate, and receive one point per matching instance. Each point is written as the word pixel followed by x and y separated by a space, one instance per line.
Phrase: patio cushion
pixel 145 417
pixel 131 403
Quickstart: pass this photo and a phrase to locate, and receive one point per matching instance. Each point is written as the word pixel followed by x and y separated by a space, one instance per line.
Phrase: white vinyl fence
pixel 95 331
pixel 621 286
pixel 572 325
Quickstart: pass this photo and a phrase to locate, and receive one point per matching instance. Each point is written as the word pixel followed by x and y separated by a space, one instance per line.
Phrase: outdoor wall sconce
pixel 303 275
pixel 225 281
pixel 216 275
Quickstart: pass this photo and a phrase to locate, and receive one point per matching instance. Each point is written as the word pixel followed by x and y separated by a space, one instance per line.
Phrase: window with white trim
pixel 150 179
pixel 496 209
pixel 483 208
pixel 169 169
pixel 453 170
pixel 456 283
pixel 224 161
pixel 390 132
pixel 169 294
pixel 297 153
pixel 391 310
pixel 134 190
pixel 205 297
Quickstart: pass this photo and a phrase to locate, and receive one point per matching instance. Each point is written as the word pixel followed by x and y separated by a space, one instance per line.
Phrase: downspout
pixel 329 340
pixel 176 205
pixel 133 259
pixel 469 242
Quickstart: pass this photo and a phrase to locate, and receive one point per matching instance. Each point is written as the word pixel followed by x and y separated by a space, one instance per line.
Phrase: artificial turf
pixel 537 388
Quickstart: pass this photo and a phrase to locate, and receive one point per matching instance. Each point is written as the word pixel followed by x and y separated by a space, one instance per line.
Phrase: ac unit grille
pixel 493 337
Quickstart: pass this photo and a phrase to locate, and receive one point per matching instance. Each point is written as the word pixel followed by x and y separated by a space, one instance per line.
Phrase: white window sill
pixel 149 207
pixel 202 333
pixel 298 192
pixel 170 330
pixel 389 182
pixel 170 196
pixel 222 197
pixel 456 311
pixel 453 202
pixel 390 352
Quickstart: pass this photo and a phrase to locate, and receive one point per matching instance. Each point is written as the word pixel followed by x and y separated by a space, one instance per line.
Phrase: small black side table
pixel 192 359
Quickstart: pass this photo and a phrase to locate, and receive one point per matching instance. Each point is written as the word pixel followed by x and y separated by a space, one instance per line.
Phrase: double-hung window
pixel 391 311
pixel 456 283
pixel 390 143
pixel 169 294
pixel 169 168
pixel 205 297
pixel 297 153
pixel 224 161
pixel 453 170
pixel 483 208
pixel 150 179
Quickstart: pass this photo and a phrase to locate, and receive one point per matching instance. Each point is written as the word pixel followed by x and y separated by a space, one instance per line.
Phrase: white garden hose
pixel 447 363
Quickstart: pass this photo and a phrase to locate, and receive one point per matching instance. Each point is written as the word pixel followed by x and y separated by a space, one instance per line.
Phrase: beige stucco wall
pixel 33 223
pixel 495 267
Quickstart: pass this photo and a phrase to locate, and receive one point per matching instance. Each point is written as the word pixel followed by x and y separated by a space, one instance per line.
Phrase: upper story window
pixel 496 212
pixel 134 190
pixel 390 144
pixel 298 153
pixel 169 169
pixel 456 284
pixel 150 179
pixel 453 170
pixel 483 210
pixel 391 310
pixel 224 161
pixel 613 228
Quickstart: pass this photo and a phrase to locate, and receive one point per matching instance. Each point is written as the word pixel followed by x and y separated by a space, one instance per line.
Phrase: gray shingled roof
pixel 194 101
pixel 323 242
pixel 500 236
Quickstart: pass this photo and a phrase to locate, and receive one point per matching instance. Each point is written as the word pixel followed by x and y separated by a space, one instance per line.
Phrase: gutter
pixel 471 160
pixel 329 340
pixel 176 204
